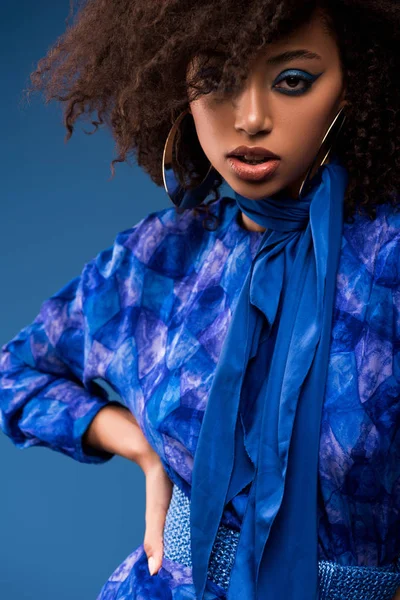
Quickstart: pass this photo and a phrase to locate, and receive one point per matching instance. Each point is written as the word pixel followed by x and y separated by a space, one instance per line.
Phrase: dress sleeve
pixel 44 398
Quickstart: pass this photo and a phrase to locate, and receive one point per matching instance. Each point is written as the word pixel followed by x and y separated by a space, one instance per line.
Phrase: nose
pixel 252 112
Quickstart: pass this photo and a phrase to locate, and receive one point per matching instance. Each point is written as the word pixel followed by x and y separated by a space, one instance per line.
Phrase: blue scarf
pixel 261 427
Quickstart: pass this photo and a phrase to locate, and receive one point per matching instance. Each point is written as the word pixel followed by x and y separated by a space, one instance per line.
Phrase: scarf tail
pixel 276 556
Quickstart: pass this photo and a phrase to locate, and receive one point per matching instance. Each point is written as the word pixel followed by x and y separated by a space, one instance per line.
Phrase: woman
pixel 276 310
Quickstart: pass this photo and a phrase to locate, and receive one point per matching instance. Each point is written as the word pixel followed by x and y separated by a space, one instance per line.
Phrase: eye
pixel 297 82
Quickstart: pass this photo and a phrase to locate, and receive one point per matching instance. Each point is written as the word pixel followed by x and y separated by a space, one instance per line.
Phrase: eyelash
pixel 307 78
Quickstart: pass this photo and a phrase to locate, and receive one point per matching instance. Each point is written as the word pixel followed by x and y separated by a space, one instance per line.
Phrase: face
pixel 286 106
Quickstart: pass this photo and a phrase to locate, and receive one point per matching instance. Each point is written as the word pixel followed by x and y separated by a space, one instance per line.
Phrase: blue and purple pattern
pixel 149 314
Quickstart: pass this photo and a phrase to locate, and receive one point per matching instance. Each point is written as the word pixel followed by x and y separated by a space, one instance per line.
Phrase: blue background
pixel 65 526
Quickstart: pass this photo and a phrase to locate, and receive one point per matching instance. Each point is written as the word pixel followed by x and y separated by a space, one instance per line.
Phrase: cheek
pixel 309 119
pixel 325 110
pixel 210 125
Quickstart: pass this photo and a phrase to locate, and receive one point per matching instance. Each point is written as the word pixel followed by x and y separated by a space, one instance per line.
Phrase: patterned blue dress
pixel 148 316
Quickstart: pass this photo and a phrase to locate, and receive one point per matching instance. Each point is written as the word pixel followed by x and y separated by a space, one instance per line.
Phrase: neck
pixel 249 224
pixel 292 190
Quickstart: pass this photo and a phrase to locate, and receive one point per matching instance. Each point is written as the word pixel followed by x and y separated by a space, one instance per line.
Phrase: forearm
pixel 114 429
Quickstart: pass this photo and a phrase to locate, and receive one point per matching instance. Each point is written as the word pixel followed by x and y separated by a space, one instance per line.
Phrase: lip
pixel 255 151
pixel 253 172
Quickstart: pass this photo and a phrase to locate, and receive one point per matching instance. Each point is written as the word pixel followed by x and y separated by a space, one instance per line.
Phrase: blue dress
pixel 160 300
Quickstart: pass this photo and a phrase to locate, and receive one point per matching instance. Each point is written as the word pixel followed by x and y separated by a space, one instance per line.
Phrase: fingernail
pixel 151 565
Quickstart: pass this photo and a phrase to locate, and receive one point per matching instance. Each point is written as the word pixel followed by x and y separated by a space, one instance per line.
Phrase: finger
pixel 155 563
pixel 154 552
pixel 154 539
pixel 155 522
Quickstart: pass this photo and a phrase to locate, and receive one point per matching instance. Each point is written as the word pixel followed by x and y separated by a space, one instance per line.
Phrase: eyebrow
pixel 292 55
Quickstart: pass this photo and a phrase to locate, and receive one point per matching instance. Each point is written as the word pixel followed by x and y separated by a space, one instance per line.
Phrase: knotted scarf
pixel 261 426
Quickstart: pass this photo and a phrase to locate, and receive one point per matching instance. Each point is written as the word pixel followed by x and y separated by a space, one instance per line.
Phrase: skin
pixel 291 126
pixel 115 429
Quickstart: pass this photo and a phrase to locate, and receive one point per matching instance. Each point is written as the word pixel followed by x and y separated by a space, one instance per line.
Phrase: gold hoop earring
pixel 335 127
pixel 181 196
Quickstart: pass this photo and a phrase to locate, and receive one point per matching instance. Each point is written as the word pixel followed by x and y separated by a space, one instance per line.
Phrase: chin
pixel 257 191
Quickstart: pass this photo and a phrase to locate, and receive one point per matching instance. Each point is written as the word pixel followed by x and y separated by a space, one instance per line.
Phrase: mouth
pixel 256 172
pixel 250 161
pixel 252 155
pixel 253 164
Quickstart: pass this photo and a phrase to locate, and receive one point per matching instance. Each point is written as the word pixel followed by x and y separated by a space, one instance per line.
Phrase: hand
pixel 115 429
pixel 158 497
pixel 397 595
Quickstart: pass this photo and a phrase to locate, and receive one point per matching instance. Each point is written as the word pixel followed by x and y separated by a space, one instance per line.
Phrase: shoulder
pixel 375 243
pixel 387 268
pixel 164 241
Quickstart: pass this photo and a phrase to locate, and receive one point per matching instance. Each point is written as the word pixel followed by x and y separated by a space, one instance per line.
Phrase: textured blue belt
pixel 336 582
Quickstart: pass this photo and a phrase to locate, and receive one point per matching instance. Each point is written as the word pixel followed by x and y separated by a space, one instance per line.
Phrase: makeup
pixel 249 172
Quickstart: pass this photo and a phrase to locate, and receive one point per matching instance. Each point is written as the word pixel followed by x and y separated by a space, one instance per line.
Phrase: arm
pixel 45 398
pixel 114 429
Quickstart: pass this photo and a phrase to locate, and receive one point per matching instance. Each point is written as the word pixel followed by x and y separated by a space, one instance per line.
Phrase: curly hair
pixel 124 64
